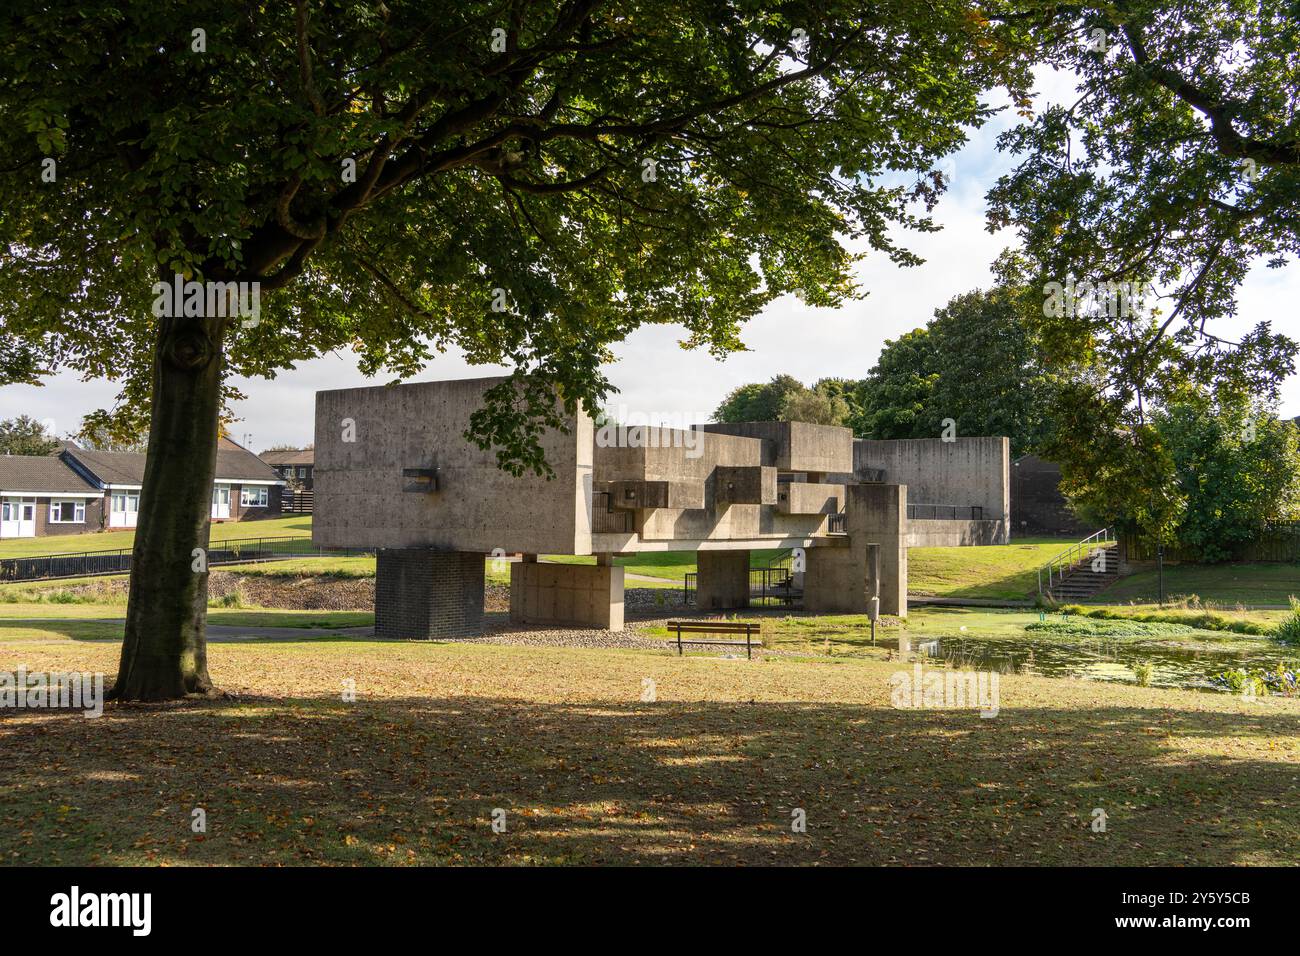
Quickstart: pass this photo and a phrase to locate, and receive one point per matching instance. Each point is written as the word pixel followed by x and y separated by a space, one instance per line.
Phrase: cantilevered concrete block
pixel 808 498
pixel 394 470
pixel 798 446
pixel 744 485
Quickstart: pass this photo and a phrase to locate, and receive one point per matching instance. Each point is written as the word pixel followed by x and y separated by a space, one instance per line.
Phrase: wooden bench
pixel 751 630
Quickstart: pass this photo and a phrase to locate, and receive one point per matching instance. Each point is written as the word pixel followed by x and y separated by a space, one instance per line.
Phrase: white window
pixel 253 497
pixel 302 472
pixel 67 511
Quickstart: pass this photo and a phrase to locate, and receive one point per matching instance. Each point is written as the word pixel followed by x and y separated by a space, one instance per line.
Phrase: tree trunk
pixel 164 654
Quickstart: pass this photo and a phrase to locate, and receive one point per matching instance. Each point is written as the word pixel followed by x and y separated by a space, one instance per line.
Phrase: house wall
pixel 45 528
pixel 238 512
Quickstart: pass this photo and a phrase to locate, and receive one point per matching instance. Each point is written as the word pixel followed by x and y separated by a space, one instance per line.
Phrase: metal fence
pixel 92 563
pixel 605 519
pixel 1277 541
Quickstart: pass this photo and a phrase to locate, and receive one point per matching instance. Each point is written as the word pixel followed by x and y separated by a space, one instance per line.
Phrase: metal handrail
pixel 1064 562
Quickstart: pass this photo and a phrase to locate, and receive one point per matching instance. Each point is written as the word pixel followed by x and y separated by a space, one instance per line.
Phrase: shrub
pixel 1143 670
pixel 1288 632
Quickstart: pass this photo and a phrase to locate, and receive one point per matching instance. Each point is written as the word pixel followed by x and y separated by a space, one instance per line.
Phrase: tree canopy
pixel 525 183
pixel 25 435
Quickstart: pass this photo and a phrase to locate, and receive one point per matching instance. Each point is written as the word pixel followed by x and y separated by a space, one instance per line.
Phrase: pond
pixel 1187 663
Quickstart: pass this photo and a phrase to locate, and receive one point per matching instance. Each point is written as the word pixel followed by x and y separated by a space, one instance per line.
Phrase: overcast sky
pixel 656 377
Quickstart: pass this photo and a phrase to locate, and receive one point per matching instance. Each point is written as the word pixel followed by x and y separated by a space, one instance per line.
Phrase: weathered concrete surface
pixel 799 446
pixel 963 472
pixel 638 494
pixel 809 498
pixel 744 485
pixel 875 515
pixel 579 594
pixel 842 580
pixel 954 534
pixel 361 499
pixel 722 580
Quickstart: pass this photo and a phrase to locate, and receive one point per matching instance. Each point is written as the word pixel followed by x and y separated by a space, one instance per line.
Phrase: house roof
pixel 294 456
pixel 127 468
pixel 41 474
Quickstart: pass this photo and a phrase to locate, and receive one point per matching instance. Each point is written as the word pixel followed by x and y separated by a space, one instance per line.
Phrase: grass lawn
pixel 1002 572
pixel 287 526
pixel 1227 584
pixel 440 735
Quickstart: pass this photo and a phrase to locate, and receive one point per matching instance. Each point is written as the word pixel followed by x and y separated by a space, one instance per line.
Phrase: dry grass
pixel 441 734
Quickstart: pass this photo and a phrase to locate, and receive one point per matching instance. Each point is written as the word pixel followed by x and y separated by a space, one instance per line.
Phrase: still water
pixel 1173 665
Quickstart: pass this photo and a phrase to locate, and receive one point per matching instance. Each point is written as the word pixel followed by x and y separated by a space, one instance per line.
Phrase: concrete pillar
pixel 877 514
pixel 422 593
pixel 843 579
pixel 575 595
pixel 722 581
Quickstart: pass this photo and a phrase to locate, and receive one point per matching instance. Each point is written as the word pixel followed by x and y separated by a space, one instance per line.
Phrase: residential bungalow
pixel 80 490
pixel 295 466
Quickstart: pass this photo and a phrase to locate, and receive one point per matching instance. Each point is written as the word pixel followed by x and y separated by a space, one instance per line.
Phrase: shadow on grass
pixel 416 780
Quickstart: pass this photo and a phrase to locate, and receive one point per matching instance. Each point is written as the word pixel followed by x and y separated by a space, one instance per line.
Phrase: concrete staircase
pixel 1081 571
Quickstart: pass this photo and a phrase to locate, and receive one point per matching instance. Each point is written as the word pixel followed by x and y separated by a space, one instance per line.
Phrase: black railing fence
pixel 606 519
pixel 91 563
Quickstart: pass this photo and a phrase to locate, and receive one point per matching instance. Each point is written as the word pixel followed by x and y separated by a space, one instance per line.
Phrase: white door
pixel 18 518
pixel 123 509
pixel 11 519
pixel 220 501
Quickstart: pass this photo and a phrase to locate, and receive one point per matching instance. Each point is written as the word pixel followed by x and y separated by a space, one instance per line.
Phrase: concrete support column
pixel 580 595
pixel 877 514
pixel 422 593
pixel 722 581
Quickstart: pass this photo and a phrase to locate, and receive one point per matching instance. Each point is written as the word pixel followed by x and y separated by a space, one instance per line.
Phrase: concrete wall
pixel 574 594
pixel 361 496
pixel 1037 505
pixel 840 580
pixel 931 533
pixel 662 454
pixel 425 594
pixel 964 472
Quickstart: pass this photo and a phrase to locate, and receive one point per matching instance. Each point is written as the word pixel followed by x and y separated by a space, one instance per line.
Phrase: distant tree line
pixel 1201 462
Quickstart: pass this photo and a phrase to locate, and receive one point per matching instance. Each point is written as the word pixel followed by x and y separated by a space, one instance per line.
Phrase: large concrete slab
pixel 362 497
